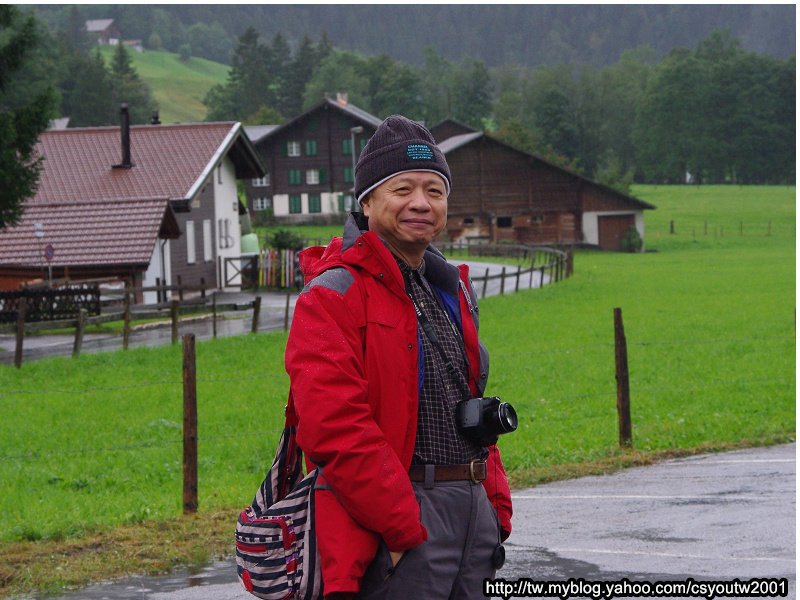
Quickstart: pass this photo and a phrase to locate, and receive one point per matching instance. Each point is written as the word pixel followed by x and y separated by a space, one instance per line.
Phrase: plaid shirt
pixel 438 441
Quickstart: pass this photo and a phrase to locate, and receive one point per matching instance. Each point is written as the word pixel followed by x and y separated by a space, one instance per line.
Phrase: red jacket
pixel 352 357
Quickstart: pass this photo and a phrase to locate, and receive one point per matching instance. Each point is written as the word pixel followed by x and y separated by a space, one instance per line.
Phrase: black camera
pixel 483 420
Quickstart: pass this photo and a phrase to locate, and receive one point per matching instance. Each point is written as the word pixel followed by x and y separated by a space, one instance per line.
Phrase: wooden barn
pixel 501 194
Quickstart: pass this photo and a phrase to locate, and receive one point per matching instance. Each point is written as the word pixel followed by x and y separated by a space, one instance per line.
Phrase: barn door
pixel 611 230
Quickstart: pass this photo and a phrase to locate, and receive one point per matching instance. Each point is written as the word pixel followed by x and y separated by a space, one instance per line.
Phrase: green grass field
pixel 178 87
pixel 95 442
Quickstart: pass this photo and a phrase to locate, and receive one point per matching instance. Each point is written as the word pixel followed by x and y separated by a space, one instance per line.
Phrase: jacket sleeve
pixel 325 362
pixel 498 491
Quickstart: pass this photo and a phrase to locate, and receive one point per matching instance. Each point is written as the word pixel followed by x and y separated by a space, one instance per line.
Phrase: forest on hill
pixel 496 34
pixel 712 112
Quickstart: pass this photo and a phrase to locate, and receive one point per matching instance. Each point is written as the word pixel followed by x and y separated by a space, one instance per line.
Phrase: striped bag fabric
pixel 276 549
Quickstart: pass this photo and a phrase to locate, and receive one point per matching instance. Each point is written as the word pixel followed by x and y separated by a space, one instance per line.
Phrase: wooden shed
pixel 501 193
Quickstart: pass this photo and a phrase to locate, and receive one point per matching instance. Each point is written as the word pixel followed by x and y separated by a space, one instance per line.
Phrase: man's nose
pixel 419 200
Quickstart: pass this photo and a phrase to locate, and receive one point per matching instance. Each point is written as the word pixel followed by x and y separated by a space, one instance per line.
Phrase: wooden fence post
pixel 180 289
pixel 174 316
pixel 570 263
pixel 623 383
pixel 519 272
pixel 214 314
pixel 126 322
pixel 189 425
pixel 503 281
pixel 256 314
pixel 485 282
pixel 286 312
pixel 80 328
pixel 203 288
pixel 22 308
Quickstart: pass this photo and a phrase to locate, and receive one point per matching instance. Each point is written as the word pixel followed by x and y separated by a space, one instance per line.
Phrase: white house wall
pixel 157 271
pixel 591 226
pixel 226 208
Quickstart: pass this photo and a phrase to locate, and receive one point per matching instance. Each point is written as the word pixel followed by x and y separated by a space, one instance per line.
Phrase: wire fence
pixel 526 366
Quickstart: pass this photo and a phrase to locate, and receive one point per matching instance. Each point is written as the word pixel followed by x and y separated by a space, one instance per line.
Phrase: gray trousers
pixel 457 556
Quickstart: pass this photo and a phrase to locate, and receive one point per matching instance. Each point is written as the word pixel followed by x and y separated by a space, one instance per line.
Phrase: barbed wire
pixel 265 434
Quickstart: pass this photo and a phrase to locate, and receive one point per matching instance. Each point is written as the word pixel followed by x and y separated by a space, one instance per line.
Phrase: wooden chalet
pixel 103 31
pixel 141 205
pixel 501 194
pixel 309 162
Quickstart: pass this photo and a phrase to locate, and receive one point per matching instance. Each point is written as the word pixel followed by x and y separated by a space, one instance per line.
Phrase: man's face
pixel 408 211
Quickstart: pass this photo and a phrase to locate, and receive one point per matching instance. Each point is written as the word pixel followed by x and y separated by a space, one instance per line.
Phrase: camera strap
pixel 427 328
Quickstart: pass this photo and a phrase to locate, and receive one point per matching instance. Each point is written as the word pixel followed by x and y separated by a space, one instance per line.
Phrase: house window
pixel 261 181
pixel 314 203
pixel 295 177
pixel 348 174
pixel 292 149
pixel 468 221
pixel 295 204
pixel 190 248
pixel 347 146
pixel 207 240
pixel 504 222
pixel 260 204
pixel 311 147
pixel 312 176
pixel 225 239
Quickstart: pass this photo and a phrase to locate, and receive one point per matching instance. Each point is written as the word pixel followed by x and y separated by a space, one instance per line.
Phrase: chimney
pixel 341 98
pixel 125 137
pixel 154 120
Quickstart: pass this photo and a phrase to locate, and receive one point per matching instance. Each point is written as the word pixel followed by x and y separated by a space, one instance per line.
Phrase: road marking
pixel 672 555
pixel 629 497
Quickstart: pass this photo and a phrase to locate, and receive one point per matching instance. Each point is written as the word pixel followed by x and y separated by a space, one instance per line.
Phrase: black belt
pixel 474 471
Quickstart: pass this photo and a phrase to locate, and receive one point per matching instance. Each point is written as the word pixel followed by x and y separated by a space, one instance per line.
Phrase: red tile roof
pixel 88 233
pixel 169 161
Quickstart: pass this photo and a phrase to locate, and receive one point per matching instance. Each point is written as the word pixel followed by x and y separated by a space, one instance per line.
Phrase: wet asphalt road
pixel 709 517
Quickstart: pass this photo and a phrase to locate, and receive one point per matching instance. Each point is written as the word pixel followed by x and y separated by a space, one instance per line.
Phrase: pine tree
pixel 129 88
pixel 20 123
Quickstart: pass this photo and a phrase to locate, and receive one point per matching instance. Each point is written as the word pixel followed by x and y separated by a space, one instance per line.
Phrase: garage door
pixel 611 230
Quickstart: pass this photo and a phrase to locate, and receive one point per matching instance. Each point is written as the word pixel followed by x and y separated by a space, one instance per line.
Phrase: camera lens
pixel 506 417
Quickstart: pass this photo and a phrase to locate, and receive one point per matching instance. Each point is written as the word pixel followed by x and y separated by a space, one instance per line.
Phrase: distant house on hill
pixel 501 193
pixel 136 204
pixel 104 31
pixel 309 162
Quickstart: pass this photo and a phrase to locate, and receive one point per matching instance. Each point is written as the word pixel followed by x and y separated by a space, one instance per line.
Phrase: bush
pixel 283 239
pixel 185 52
pixel 632 242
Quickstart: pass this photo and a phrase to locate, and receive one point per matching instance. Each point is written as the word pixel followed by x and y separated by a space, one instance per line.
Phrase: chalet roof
pixel 346 108
pixel 450 125
pixel 89 233
pixel 95 25
pixel 170 161
pixel 459 141
pixel 256 132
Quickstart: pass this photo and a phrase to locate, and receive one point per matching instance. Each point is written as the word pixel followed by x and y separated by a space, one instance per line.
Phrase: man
pixel 406 506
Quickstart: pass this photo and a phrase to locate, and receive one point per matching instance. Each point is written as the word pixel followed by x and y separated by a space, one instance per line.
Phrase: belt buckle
pixel 472 476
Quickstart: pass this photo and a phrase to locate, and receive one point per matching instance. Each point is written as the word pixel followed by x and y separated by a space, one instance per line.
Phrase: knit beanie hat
pixel 398 145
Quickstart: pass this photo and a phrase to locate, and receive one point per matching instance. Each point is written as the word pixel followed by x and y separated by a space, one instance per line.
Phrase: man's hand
pixel 396 556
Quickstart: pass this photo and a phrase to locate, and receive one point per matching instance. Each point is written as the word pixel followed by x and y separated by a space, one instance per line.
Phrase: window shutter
pixel 322 176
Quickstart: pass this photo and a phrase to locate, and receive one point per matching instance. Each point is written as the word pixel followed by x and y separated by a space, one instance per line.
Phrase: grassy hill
pixel 178 87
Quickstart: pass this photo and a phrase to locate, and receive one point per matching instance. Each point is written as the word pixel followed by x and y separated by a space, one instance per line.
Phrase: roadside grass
pixel 90 448
pixel 178 87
